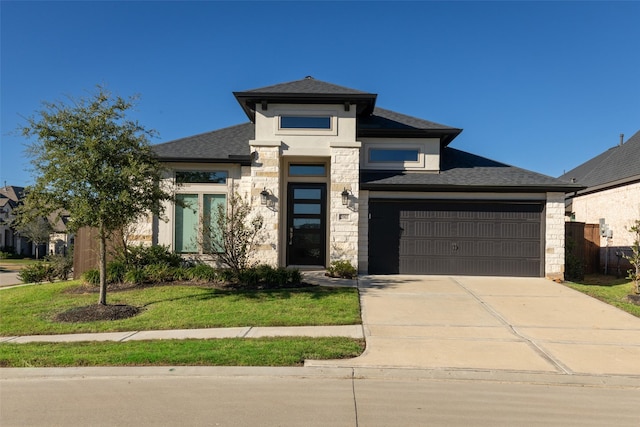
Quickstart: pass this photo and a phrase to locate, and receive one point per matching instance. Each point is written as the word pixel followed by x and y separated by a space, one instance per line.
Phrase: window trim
pixel 419 164
pixel 304 116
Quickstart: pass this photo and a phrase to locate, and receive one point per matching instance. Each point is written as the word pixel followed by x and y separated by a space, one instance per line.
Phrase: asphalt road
pixel 304 397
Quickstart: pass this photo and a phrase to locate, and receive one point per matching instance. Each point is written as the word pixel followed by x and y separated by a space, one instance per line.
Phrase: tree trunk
pixel 102 263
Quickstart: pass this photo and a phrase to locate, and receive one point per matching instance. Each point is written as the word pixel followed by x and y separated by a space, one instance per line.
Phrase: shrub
pixel 342 269
pixel 91 277
pixel 159 273
pixel 61 264
pixel 141 256
pixel 202 272
pixel 116 271
pixel 135 276
pixel 37 273
pixel 4 255
pixel 249 277
pixel 181 273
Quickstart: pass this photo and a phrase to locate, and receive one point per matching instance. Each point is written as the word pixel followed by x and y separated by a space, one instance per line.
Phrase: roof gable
pixel 619 163
pixel 305 91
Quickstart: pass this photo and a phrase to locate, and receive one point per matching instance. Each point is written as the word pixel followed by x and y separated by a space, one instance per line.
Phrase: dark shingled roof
pixel 462 171
pixel 306 86
pixel 219 146
pixel 617 165
pixel 305 91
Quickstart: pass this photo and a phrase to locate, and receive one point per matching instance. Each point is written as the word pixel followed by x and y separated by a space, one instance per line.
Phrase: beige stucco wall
pixel 620 207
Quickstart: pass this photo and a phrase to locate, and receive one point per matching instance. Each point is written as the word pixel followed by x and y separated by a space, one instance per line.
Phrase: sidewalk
pixel 350 331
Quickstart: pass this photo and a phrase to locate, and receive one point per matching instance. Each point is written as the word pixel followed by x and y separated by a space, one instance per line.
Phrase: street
pixel 310 397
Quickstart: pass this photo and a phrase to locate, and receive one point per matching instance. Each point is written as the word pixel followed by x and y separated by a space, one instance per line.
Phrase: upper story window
pixel 305 122
pixel 394 155
pixel 201 177
pixel 296 169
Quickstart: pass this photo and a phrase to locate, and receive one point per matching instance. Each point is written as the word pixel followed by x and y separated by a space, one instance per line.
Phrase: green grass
pixel 30 310
pixel 608 289
pixel 291 351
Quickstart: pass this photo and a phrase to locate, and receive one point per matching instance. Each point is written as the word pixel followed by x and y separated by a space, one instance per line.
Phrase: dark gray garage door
pixel 463 238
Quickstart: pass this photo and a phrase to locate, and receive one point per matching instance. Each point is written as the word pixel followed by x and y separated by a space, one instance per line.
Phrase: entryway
pixel 306 224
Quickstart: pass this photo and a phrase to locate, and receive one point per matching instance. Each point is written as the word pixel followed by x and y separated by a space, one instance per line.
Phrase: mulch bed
pixel 633 298
pixel 94 312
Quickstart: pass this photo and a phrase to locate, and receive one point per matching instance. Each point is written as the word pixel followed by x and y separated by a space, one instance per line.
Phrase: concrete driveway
pixel 492 323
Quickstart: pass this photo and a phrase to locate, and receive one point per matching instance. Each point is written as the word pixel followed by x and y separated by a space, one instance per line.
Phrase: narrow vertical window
pixel 186 223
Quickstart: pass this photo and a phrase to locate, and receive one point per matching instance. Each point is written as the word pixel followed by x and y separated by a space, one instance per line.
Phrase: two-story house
pixel 337 178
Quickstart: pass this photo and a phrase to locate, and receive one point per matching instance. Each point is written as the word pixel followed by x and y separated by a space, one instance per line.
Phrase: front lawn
pixel 608 289
pixel 30 310
pixel 289 351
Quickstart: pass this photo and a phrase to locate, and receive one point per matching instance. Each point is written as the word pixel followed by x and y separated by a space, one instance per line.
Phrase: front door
pixel 306 218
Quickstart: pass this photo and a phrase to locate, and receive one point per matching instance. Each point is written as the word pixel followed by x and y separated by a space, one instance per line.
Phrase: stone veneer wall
pixel 265 174
pixel 343 220
pixel 554 236
pixel 620 207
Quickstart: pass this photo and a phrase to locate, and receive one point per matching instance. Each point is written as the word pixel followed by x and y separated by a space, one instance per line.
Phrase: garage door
pixel 457 238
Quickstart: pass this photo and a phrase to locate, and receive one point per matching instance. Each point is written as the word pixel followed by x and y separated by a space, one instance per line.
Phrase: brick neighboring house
pixel 612 193
pixel 343 179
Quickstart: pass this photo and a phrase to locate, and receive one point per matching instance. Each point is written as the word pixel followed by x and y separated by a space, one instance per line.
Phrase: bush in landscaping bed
pixel 37 273
pixel 91 277
pixel 266 277
pixel 342 269
pixel 202 272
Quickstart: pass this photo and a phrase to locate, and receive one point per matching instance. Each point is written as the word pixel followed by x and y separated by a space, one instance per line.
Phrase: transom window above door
pixel 307 169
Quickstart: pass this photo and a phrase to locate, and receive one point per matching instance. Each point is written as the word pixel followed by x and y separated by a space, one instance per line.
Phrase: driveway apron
pixel 492 323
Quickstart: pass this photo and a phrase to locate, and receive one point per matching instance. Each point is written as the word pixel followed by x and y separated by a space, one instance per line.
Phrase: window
pixel 201 177
pixel 305 122
pixel 394 155
pixel 307 169
pixel 190 223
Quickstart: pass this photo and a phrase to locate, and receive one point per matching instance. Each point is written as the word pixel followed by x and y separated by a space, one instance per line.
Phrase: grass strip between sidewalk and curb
pixel 289 351
pixel 30 310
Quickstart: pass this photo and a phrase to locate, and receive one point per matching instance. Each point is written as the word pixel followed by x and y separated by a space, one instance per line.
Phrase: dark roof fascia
pixel 240 160
pixel 469 188
pixel 607 186
pixel 445 135
pixel 365 102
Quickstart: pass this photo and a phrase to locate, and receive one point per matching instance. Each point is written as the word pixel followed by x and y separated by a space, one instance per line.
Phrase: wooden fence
pixel 583 242
pixel 86 251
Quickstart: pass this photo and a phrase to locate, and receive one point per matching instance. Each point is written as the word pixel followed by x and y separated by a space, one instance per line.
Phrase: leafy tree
pixel 95 163
pixel 232 233
pixel 37 231
pixel 634 258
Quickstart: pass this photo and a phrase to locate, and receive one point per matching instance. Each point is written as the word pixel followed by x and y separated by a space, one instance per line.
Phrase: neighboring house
pixel 10 239
pixel 60 240
pixel 611 198
pixel 338 178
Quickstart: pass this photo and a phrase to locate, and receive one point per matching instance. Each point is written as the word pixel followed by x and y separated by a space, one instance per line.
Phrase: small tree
pixel 634 258
pixel 37 231
pixel 96 164
pixel 232 233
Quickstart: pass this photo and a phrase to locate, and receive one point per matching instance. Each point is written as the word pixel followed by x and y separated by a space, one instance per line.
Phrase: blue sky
pixel 540 85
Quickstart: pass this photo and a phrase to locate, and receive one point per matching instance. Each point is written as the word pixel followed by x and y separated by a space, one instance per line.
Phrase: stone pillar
pixel 265 175
pixel 343 219
pixel 554 237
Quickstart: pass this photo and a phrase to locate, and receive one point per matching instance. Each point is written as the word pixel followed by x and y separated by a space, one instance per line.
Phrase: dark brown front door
pixel 306 224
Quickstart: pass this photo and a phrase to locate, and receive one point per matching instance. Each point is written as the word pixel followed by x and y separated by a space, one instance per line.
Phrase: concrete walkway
pixel 526 325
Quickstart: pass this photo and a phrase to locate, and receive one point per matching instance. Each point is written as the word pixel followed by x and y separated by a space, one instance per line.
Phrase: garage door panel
pixel 486 238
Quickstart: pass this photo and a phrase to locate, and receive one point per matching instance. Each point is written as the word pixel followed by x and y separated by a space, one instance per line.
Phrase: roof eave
pixel 607 186
pixel 445 135
pixel 240 160
pixel 467 188
pixel 365 102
